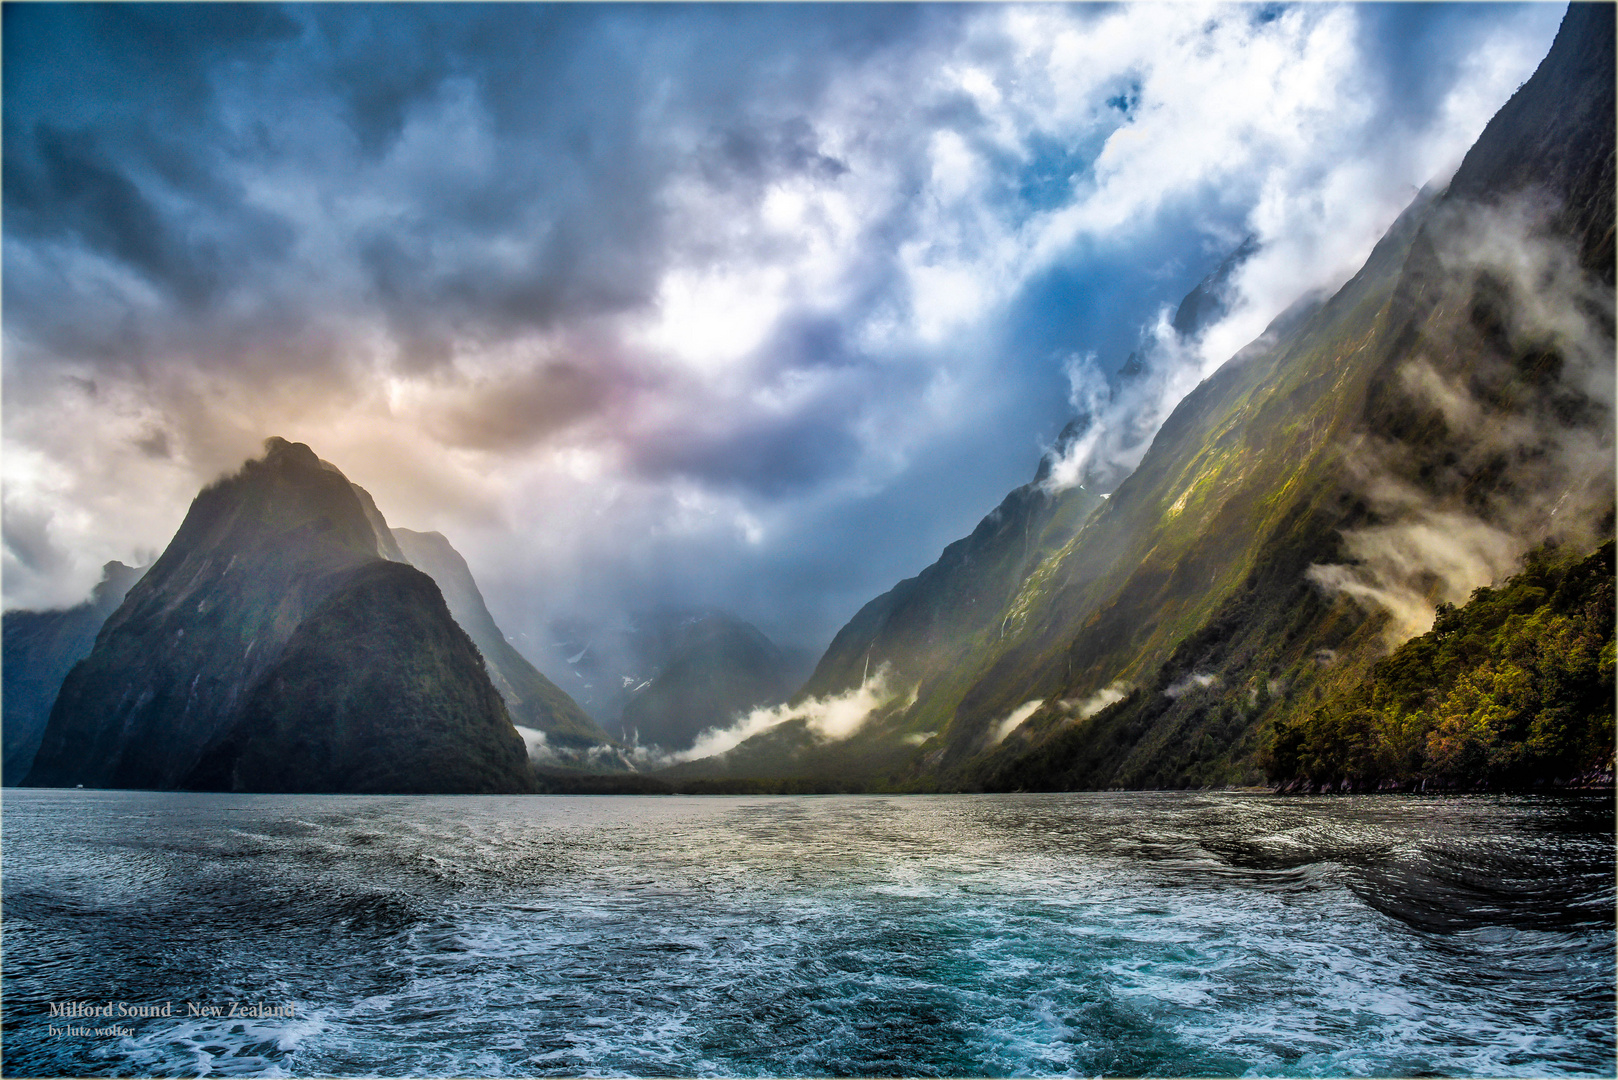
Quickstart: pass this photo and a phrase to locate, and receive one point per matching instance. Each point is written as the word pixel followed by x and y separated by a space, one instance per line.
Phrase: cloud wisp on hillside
pixel 1536 313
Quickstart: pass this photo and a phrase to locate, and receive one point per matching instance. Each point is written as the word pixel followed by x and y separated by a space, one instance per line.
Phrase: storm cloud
pixel 755 307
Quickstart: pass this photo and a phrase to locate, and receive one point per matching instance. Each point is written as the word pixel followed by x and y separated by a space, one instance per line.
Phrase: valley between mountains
pixel 1372 551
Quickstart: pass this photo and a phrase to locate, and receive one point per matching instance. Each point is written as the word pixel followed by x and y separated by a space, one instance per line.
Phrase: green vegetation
pixel 1513 688
pixel 1189 592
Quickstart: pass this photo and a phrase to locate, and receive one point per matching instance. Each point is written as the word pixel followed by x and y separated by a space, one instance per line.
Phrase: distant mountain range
pixel 41 647
pixel 663 676
pixel 706 667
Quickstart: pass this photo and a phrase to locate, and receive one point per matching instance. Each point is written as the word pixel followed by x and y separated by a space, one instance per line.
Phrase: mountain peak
pixel 1209 300
pixel 286 554
pixel 279 453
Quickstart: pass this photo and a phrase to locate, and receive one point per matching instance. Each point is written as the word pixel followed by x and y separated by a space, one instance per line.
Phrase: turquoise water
pixel 1126 934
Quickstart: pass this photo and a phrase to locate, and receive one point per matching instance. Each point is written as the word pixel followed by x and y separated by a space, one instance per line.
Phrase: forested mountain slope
pixel 1299 514
pixel 1313 501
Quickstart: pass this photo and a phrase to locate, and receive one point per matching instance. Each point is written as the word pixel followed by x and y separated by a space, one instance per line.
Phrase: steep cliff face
pixel 1555 136
pixel 532 699
pixel 179 661
pixel 1211 537
pixel 1311 504
pixel 378 690
pixel 41 647
pixel 1302 510
pixel 921 627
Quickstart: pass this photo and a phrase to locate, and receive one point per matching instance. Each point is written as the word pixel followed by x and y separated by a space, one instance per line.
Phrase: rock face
pixel 532 700
pixel 41 647
pixel 397 693
pixel 187 655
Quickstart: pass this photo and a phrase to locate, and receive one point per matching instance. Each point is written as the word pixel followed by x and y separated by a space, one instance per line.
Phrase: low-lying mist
pixel 827 719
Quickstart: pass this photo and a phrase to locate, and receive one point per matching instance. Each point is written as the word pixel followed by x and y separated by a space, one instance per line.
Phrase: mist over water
pixel 1125 934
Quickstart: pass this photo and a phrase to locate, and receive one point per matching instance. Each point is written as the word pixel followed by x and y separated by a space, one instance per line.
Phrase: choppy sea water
pixel 1123 934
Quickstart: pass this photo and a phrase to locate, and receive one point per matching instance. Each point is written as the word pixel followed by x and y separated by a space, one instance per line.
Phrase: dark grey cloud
pixel 155 444
pixel 28 541
pixel 103 107
pixel 759 153
pixel 64 187
pixel 128 133
pixel 517 412
pixel 70 61
pixel 767 456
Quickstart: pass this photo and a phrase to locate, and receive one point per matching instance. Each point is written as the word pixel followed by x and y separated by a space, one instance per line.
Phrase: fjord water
pixel 1126 934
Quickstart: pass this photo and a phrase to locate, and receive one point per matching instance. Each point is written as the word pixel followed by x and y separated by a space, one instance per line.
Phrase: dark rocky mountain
pixel 710 667
pixel 378 690
pixel 532 700
pixel 1555 137
pixel 41 647
pixel 1210 300
pixel 267 581
pixel 1367 460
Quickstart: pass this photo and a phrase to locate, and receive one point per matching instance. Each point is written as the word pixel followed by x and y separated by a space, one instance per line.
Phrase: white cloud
pixel 1321 185
pixel 1012 721
pixel 834 717
pixel 1193 681
pixel 534 739
pixel 1396 564
pixel 1088 707
pixel 1436 546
